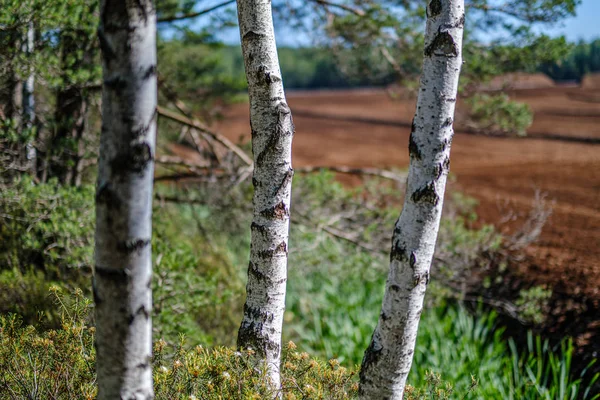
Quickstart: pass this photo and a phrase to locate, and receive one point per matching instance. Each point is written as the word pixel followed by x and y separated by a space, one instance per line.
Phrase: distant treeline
pixel 583 59
pixel 309 68
pixel 314 68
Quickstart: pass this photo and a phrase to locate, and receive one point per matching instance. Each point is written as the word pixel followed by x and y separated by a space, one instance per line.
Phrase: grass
pixel 334 296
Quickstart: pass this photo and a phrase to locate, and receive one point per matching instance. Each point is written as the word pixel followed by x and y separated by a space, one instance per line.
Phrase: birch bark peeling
pixel 388 359
pixel 272 132
pixel 122 272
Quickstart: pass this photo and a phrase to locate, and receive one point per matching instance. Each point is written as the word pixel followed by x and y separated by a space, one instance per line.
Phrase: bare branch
pixel 353 10
pixel 194 123
pixel 381 173
pixel 175 18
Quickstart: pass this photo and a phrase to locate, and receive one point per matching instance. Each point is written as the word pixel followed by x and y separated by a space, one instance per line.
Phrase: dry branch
pixel 381 173
pixel 193 123
pixel 353 10
pixel 194 14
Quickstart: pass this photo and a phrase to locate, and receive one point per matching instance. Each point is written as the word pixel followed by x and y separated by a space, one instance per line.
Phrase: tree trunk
pixel 67 147
pixel 388 359
pixel 29 101
pixel 122 272
pixel 272 132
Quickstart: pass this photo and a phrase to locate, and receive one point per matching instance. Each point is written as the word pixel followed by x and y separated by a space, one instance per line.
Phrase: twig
pixel 355 11
pixel 382 173
pixel 183 109
pixel 194 14
pixel 193 123
pixel 174 160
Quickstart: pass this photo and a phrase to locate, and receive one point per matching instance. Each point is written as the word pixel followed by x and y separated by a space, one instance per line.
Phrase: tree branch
pixel 355 11
pixel 381 173
pixel 194 123
pixel 181 17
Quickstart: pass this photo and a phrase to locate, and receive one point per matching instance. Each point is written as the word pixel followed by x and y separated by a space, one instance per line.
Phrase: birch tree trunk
pixel 388 359
pixel 122 273
pixel 272 132
pixel 29 100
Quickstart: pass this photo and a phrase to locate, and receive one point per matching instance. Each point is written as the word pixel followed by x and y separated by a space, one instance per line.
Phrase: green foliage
pixel 46 237
pixel 497 114
pixel 533 302
pixel 49 364
pixel 200 71
pixel 545 373
pixel 197 291
pixel 584 58
pixel 60 364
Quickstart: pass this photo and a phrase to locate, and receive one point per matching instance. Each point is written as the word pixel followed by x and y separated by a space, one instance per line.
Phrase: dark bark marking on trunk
pixel 135 160
pixel 278 211
pixel 97 299
pixel 426 194
pixel 435 8
pixel 442 45
pixel 150 72
pixel 420 278
pixel 267 254
pixel 263 230
pixel 270 147
pixel 115 275
pixel 131 246
pixel 372 356
pixel 253 270
pixel 398 253
pixel 118 84
pixel 412 261
pixel 447 163
pixel 448 122
pixel 107 197
pixel 108 53
pixel 444 145
pixel 251 36
pixel 438 170
pixel 286 179
pixel 413 148
pixel 140 311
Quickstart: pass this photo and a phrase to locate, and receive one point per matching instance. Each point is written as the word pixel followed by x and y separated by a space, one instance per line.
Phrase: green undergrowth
pixel 200 250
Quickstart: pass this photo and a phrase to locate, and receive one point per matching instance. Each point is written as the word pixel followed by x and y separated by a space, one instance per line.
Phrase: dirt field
pixel 560 158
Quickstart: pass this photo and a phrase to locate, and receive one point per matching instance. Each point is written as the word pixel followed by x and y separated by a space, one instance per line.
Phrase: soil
pixel 591 81
pixel 519 80
pixel 560 159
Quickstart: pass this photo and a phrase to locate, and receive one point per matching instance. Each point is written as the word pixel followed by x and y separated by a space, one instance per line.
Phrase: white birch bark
pixel 272 132
pixel 122 273
pixel 388 359
pixel 29 99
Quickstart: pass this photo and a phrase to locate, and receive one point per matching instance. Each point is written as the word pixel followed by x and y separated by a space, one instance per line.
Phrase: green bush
pixel 46 236
pixel 497 114
pixel 61 363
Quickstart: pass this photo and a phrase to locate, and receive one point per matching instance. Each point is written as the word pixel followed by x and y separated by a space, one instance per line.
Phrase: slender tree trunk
pixel 29 103
pixel 68 146
pixel 123 270
pixel 272 132
pixel 388 359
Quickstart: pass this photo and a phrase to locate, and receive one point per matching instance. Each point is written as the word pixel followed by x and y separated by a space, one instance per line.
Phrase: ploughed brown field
pixel 560 158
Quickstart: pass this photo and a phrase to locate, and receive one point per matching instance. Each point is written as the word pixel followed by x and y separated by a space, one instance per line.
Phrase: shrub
pixel 497 114
pixel 46 236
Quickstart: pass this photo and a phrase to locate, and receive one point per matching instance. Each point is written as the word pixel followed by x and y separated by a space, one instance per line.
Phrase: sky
pixel 583 26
